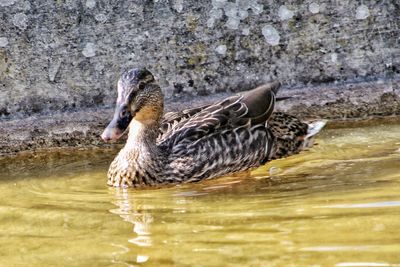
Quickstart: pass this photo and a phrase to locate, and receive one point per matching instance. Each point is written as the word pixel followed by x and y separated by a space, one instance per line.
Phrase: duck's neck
pixel 142 137
pixel 140 162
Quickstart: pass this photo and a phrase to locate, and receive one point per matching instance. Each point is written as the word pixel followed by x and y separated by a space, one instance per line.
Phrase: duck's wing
pixel 171 119
pixel 251 108
pixel 226 137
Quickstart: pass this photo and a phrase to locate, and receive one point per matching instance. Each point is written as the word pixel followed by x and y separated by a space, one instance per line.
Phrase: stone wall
pixel 59 55
pixel 60 59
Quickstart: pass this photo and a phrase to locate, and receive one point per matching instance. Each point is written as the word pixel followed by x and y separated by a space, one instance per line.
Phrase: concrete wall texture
pixel 57 55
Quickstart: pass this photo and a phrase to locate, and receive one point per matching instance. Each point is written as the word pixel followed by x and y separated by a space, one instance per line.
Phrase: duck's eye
pixel 141 86
pixel 124 113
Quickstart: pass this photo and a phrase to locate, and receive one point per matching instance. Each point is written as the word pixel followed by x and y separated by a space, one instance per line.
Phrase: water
pixel 335 205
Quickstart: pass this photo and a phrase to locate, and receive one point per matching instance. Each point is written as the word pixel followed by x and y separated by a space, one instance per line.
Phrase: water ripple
pixel 383 204
pixel 364 264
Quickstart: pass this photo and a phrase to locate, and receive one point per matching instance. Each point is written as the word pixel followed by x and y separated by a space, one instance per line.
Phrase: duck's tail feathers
pixel 313 129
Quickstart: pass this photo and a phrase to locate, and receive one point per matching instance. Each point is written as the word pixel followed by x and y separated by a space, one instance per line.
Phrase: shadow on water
pixel 336 205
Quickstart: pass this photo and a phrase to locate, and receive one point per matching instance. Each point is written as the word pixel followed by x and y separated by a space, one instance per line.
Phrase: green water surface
pixel 335 205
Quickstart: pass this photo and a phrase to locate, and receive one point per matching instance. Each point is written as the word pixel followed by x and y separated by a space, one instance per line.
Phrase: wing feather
pixel 253 107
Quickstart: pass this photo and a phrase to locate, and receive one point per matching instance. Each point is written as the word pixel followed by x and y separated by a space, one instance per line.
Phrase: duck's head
pixel 139 98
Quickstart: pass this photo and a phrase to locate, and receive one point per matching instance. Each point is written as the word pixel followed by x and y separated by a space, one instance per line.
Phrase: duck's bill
pixel 118 125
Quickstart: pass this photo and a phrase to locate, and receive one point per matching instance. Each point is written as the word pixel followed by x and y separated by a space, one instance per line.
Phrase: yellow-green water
pixel 335 205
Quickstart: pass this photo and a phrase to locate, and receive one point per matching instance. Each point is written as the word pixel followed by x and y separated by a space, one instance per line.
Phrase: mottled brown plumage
pixel 235 134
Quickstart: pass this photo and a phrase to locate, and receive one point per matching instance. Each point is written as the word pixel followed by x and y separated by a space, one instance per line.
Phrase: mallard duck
pixel 235 134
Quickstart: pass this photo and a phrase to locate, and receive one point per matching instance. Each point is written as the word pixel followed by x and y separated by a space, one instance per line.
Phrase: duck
pixel 238 133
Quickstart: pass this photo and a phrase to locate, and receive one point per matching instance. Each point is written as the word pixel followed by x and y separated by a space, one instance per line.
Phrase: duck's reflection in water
pixel 164 219
pixel 136 213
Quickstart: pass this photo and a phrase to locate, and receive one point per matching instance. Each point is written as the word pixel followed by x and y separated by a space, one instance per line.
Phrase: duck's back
pixel 226 137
